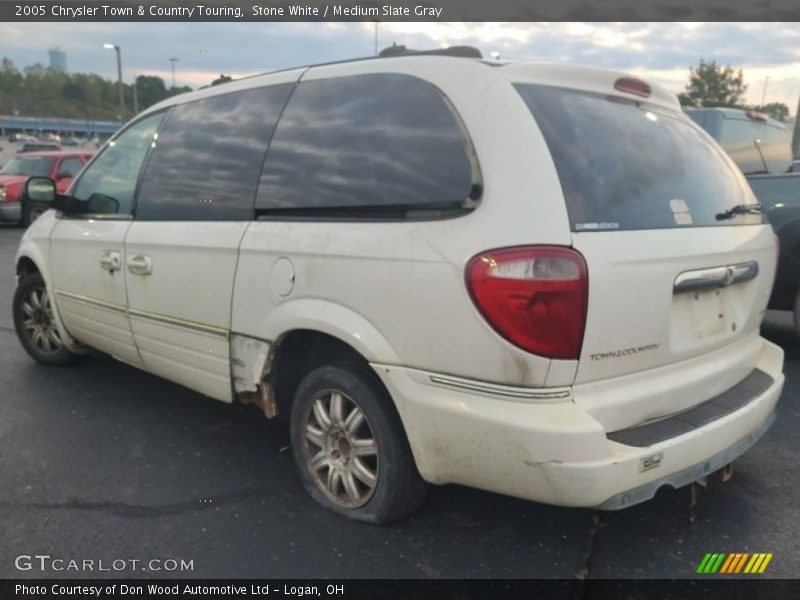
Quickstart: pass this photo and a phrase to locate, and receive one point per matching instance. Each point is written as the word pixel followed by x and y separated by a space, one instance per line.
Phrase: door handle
pixel 111 261
pixel 140 264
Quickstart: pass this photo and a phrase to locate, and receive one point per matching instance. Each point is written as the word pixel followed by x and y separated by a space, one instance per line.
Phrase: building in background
pixel 58 59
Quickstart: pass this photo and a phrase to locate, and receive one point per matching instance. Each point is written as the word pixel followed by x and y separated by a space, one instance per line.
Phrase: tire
pixel 35 325
pixel 31 212
pixel 339 459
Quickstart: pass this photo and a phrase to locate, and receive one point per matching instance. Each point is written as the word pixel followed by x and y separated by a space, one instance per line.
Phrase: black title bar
pixel 399 10
pixel 705 588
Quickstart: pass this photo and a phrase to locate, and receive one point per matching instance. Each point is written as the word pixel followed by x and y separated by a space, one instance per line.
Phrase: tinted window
pixel 631 165
pixel 208 157
pixel 377 141
pixel 69 167
pixel 114 172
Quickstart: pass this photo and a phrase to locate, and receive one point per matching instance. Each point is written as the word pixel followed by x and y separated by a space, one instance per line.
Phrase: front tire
pixel 350 448
pixel 35 323
pixel 31 212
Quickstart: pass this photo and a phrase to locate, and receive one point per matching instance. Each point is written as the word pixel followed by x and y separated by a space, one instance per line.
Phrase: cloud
pixel 662 51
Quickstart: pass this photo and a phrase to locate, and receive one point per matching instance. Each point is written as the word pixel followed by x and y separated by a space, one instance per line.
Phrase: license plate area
pixel 708 312
pixel 702 317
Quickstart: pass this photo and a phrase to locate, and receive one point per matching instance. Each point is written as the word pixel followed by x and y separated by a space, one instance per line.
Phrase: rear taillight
pixel 534 296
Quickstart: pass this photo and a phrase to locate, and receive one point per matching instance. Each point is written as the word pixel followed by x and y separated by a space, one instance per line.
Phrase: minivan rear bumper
pixel 548 449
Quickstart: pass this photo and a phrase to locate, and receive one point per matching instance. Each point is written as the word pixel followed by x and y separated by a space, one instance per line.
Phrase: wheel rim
pixel 340 450
pixel 38 322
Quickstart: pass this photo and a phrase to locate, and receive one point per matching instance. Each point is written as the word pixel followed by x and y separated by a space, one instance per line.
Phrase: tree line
pixel 711 84
pixel 39 91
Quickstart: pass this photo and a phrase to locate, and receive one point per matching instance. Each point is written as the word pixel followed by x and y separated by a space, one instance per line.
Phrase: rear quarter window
pixel 627 165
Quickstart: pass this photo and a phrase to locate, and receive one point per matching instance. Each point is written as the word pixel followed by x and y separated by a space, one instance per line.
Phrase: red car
pixel 61 166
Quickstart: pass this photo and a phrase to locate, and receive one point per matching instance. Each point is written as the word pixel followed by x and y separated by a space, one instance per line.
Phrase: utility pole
pixel 376 37
pixel 764 93
pixel 173 61
pixel 135 95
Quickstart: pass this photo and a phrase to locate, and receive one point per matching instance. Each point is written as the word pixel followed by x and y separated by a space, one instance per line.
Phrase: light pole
pixel 119 76
pixel 796 132
pixel 764 93
pixel 173 61
pixel 135 94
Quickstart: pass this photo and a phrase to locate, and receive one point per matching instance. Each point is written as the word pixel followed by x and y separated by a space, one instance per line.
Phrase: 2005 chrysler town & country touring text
pixel 540 280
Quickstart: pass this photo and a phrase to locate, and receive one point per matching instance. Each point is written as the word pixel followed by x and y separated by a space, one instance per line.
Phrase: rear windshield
pixel 631 165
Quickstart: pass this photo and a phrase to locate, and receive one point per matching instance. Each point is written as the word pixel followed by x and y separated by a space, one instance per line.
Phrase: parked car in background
pixel 780 196
pixel 534 279
pixel 761 147
pixel 756 142
pixel 38 147
pixel 22 137
pixel 60 166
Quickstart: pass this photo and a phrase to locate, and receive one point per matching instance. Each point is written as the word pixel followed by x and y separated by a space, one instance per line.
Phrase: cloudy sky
pixel 661 51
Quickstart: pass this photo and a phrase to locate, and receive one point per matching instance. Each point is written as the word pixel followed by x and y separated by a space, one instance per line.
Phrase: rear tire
pixel 350 448
pixel 35 324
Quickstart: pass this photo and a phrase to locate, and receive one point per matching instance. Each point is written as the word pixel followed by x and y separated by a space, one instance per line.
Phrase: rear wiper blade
pixel 741 209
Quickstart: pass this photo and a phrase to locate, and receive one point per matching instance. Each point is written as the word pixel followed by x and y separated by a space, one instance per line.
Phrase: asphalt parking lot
pixel 103 461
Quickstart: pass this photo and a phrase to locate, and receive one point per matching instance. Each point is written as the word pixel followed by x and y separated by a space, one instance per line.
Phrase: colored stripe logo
pixel 735 562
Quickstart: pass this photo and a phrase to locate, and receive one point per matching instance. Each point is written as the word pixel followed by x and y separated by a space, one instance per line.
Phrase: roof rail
pixel 460 51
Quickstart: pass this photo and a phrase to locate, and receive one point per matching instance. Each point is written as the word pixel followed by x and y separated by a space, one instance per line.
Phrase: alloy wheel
pixel 38 322
pixel 340 449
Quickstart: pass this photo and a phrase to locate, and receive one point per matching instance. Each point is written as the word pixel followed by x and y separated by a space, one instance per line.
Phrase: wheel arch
pixel 299 351
pixel 29 261
pixel 26 266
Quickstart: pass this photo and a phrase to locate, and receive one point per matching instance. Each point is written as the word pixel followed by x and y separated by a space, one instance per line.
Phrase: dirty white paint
pixel 248 362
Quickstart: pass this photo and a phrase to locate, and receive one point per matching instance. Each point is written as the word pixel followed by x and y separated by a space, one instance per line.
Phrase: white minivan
pixel 535 279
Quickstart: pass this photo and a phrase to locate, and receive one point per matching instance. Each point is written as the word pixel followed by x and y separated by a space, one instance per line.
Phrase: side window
pixel 69 167
pixel 208 157
pixel 367 142
pixel 109 183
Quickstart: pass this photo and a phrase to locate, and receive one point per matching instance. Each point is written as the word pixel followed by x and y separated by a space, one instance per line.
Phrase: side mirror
pixel 102 204
pixel 40 189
